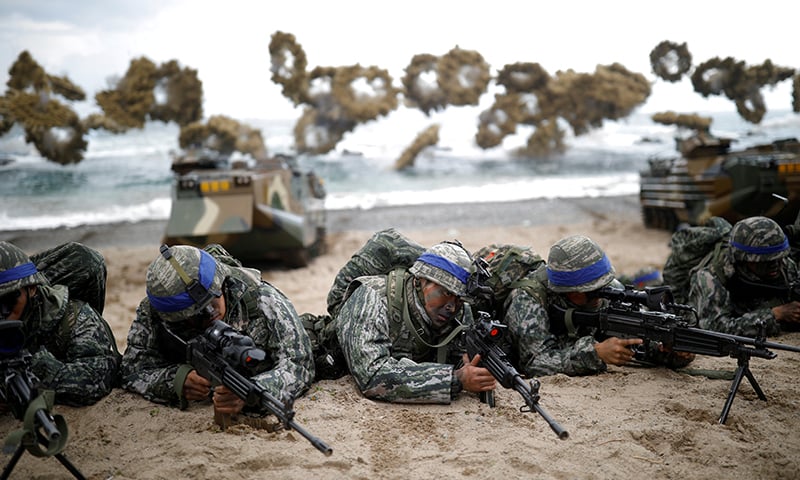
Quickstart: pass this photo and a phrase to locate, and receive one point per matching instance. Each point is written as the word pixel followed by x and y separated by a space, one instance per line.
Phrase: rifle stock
pixel 481 339
pixel 217 363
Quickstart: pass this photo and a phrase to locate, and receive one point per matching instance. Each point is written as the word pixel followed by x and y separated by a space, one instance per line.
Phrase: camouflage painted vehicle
pixel 259 211
pixel 709 179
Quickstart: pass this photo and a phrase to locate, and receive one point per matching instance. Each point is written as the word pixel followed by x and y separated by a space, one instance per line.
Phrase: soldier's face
pixel 765 270
pixel 440 304
pixel 12 304
pixel 589 300
pixel 217 312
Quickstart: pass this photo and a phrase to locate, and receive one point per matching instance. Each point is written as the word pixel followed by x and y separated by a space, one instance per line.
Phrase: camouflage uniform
pixel 74 351
pixel 376 327
pixel 575 264
pixel 154 368
pixel 713 291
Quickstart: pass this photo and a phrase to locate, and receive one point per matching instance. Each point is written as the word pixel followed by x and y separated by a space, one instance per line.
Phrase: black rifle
pixel 624 318
pixel 218 355
pixel 43 434
pixel 483 338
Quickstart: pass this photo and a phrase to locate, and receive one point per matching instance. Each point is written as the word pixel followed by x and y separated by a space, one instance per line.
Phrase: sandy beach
pixel 648 423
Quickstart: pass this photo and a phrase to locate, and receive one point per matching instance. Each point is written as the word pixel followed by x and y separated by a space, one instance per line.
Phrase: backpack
pixel 385 251
pixel 83 271
pixel 388 252
pixel 693 248
pixel 508 267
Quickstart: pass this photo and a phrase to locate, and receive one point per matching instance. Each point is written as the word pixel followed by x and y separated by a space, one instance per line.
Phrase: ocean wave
pixel 156 209
pixel 544 187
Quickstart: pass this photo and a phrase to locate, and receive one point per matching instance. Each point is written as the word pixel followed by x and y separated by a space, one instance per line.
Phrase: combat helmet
pixel 182 281
pixel 448 264
pixel 17 270
pixel 577 264
pixel 758 239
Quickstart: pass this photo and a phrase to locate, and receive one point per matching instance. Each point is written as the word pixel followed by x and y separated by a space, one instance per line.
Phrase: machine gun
pixel 42 434
pixel 624 318
pixel 483 338
pixel 220 353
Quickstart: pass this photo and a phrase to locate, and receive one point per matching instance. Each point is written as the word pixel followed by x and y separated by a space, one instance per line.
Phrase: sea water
pixel 127 177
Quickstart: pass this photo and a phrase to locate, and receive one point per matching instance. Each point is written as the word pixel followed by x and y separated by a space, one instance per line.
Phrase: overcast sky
pixel 227 40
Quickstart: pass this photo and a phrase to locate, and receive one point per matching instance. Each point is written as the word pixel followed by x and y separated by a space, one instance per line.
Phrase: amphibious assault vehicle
pixel 258 210
pixel 708 179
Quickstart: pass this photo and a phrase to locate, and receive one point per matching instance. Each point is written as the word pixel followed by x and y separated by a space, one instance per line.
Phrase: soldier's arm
pixel 144 369
pixel 279 331
pixel 363 332
pixel 715 309
pixel 540 351
pixel 88 371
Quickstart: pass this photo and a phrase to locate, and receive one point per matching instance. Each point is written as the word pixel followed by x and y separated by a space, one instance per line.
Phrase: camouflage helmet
pixel 168 292
pixel 578 264
pixel 448 264
pixel 17 270
pixel 758 239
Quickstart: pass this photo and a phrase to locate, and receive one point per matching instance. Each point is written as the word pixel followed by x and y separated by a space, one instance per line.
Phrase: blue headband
pixel 579 277
pixel 176 303
pixel 646 277
pixel 442 263
pixel 20 271
pixel 762 250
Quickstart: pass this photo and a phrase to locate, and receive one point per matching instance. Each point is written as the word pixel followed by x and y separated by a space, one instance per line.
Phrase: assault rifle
pixel 43 434
pixel 220 353
pixel 624 318
pixel 483 338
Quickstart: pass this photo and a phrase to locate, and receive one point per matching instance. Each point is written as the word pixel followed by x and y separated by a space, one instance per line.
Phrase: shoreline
pixel 538 211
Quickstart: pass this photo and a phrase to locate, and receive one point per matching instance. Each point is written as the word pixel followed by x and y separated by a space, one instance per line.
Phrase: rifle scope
pixel 238 349
pixel 12 337
pixel 657 298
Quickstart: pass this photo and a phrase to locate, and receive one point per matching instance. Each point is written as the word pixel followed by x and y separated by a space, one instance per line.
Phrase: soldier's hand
pixel 474 378
pixel 196 387
pixel 226 401
pixel 679 359
pixel 788 312
pixel 616 351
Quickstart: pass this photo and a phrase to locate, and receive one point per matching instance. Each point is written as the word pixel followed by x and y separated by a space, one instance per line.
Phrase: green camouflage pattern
pixel 12 256
pixel 708 179
pixel 689 248
pixel 538 351
pixel 163 280
pixel 508 265
pixel 737 313
pixel 384 251
pixel 382 353
pixel 758 232
pixel 254 308
pixel 453 252
pixel 74 351
pixel 574 253
pixel 270 210
pixel 80 268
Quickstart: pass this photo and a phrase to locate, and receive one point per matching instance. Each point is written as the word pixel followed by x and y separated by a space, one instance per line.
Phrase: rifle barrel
pixel 318 443
pixel 51 431
pixel 525 390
